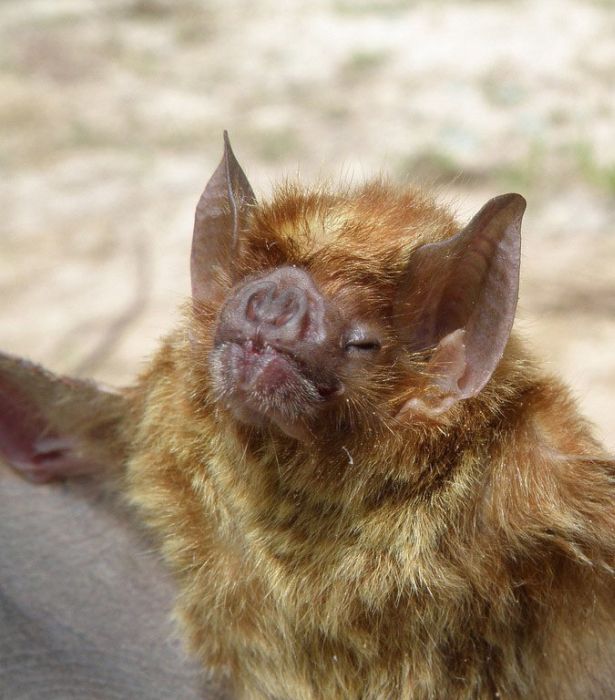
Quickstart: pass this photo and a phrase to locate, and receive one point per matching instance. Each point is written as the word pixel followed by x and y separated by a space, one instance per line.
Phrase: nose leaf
pixel 276 313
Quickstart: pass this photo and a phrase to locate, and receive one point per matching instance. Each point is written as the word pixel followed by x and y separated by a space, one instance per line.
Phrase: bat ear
pixel 458 297
pixel 55 427
pixel 220 218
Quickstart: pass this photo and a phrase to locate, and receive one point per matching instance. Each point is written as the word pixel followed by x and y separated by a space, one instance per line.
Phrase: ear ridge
pixel 220 216
pixel 467 283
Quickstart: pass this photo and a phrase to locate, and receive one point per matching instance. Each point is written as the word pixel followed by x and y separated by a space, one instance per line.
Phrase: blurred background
pixel 111 119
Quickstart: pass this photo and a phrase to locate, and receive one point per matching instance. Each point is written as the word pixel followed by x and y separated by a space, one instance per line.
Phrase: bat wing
pixel 84 604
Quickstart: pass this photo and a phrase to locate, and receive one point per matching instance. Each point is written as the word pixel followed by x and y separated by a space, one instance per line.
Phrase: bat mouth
pixel 260 382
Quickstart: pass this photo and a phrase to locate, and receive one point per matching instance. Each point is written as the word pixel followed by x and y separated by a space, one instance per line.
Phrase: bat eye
pixel 361 342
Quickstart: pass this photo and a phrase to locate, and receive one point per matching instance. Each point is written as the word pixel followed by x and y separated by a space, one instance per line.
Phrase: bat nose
pixel 275 311
pixel 270 305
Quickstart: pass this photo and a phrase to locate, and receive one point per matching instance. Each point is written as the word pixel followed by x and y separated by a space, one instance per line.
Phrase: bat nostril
pixel 255 305
pixel 284 318
pixel 286 307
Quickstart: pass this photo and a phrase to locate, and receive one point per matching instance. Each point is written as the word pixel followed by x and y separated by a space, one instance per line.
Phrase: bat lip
pixel 264 363
pixel 260 355
pixel 259 381
pixel 255 353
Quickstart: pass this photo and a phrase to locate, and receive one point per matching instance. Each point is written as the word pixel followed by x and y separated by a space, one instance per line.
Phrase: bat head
pixel 323 316
pixel 326 309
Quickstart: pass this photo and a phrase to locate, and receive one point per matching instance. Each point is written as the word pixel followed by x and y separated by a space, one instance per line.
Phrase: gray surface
pixel 84 608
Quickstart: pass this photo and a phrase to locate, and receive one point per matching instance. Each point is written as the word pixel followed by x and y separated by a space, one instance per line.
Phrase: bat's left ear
pixel 220 218
pixel 458 297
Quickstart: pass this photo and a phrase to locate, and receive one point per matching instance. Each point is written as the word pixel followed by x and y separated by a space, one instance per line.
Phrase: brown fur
pixel 383 557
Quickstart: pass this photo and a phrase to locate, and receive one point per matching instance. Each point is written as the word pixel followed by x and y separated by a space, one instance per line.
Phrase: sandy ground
pixel 111 114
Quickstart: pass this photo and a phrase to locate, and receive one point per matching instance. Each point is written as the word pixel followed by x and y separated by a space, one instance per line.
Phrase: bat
pixel 363 482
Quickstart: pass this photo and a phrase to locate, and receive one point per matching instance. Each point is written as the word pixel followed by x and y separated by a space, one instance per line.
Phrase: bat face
pixel 341 309
pixel 284 351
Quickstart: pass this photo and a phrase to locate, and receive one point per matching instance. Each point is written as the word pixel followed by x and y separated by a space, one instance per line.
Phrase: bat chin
pixel 263 386
pixel 297 429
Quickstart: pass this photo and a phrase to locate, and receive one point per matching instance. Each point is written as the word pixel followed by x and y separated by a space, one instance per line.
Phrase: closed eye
pixel 367 345
pixel 362 345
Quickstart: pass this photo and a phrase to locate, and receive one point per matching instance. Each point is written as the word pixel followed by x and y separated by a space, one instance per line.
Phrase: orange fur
pixel 387 556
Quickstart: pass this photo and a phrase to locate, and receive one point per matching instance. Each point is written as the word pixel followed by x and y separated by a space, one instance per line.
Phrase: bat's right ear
pixel 457 301
pixel 221 216
pixel 55 427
